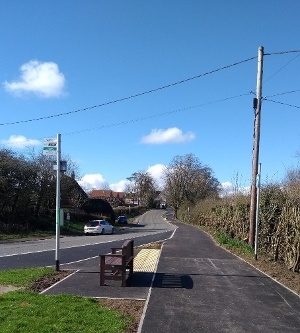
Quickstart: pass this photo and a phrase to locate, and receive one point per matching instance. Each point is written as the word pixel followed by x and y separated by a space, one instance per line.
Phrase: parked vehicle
pixel 98 227
pixel 122 219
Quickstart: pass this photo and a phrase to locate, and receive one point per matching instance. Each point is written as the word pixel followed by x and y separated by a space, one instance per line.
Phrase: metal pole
pixel 257 210
pixel 255 158
pixel 57 203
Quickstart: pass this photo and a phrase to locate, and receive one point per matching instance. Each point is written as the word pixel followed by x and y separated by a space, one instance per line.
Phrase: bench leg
pixel 123 277
pixel 131 267
pixel 123 271
pixel 102 270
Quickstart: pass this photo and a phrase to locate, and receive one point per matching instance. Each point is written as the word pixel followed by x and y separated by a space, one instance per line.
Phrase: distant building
pixel 160 200
pixel 131 202
pixel 114 198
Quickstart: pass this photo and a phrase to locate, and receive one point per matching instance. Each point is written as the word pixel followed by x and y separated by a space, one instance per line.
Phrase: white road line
pixel 150 289
pixel 89 244
pixel 212 264
pixel 284 300
pixel 55 284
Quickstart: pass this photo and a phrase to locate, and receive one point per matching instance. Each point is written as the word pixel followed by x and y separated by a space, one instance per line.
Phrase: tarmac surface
pixel 197 287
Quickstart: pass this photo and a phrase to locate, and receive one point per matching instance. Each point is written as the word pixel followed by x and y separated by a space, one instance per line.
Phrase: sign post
pixel 52 148
pixel 57 203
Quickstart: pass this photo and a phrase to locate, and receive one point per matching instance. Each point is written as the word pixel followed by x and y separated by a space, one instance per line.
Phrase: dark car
pixel 122 219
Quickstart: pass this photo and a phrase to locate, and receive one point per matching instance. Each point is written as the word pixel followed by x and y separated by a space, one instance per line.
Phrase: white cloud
pixel 227 186
pixel 229 189
pixel 170 135
pixel 120 186
pixel 93 181
pixel 156 171
pixel 41 78
pixel 97 182
pixel 20 141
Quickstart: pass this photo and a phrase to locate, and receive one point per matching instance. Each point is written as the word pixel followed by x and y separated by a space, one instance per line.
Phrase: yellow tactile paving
pixel 145 260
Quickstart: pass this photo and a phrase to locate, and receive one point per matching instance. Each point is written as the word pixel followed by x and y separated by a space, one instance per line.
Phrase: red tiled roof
pixel 107 194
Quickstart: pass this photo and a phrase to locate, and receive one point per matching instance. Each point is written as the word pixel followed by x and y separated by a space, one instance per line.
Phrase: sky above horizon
pixel 130 85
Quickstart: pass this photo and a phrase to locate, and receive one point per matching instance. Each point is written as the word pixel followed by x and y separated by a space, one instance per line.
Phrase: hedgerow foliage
pixel 279 219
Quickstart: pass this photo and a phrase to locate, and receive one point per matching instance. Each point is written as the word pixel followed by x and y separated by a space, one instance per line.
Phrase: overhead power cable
pixel 143 118
pixel 281 68
pixel 174 111
pixel 293 106
pixel 279 94
pixel 155 115
pixel 145 92
pixel 131 96
pixel 282 52
pixel 284 93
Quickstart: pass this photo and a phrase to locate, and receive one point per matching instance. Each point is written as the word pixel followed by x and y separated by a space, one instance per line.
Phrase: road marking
pixel 66 277
pixel 88 244
pixel 150 289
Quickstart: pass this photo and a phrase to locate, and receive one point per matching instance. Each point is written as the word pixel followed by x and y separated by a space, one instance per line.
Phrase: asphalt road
pixel 149 227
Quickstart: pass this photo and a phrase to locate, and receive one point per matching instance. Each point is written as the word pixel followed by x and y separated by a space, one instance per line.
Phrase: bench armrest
pixel 112 255
pixel 115 249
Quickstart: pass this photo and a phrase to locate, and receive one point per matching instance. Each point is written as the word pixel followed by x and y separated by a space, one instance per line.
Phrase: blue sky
pixel 58 57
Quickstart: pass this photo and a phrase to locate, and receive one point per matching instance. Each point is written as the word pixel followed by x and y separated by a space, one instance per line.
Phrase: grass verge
pixel 23 277
pixel 238 245
pixel 74 228
pixel 70 229
pixel 25 311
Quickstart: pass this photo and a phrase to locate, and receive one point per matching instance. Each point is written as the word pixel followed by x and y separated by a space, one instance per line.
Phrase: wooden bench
pixel 113 266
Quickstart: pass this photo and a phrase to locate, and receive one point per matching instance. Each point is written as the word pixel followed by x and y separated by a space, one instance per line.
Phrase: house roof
pixel 107 194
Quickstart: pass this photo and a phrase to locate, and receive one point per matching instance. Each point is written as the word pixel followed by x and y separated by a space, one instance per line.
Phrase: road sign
pixel 50 146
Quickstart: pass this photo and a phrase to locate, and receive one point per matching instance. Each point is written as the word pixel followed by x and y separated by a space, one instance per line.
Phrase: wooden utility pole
pixel 255 159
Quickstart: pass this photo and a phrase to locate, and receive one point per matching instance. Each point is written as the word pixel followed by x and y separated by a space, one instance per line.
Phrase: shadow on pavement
pixel 162 280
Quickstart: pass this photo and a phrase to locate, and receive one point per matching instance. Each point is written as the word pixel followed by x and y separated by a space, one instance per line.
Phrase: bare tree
pixel 28 186
pixel 130 190
pixel 73 169
pixel 291 185
pixel 16 182
pixel 143 186
pixel 186 179
pixel 45 183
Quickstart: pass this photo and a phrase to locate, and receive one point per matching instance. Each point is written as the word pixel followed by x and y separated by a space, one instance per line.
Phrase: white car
pixel 98 227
